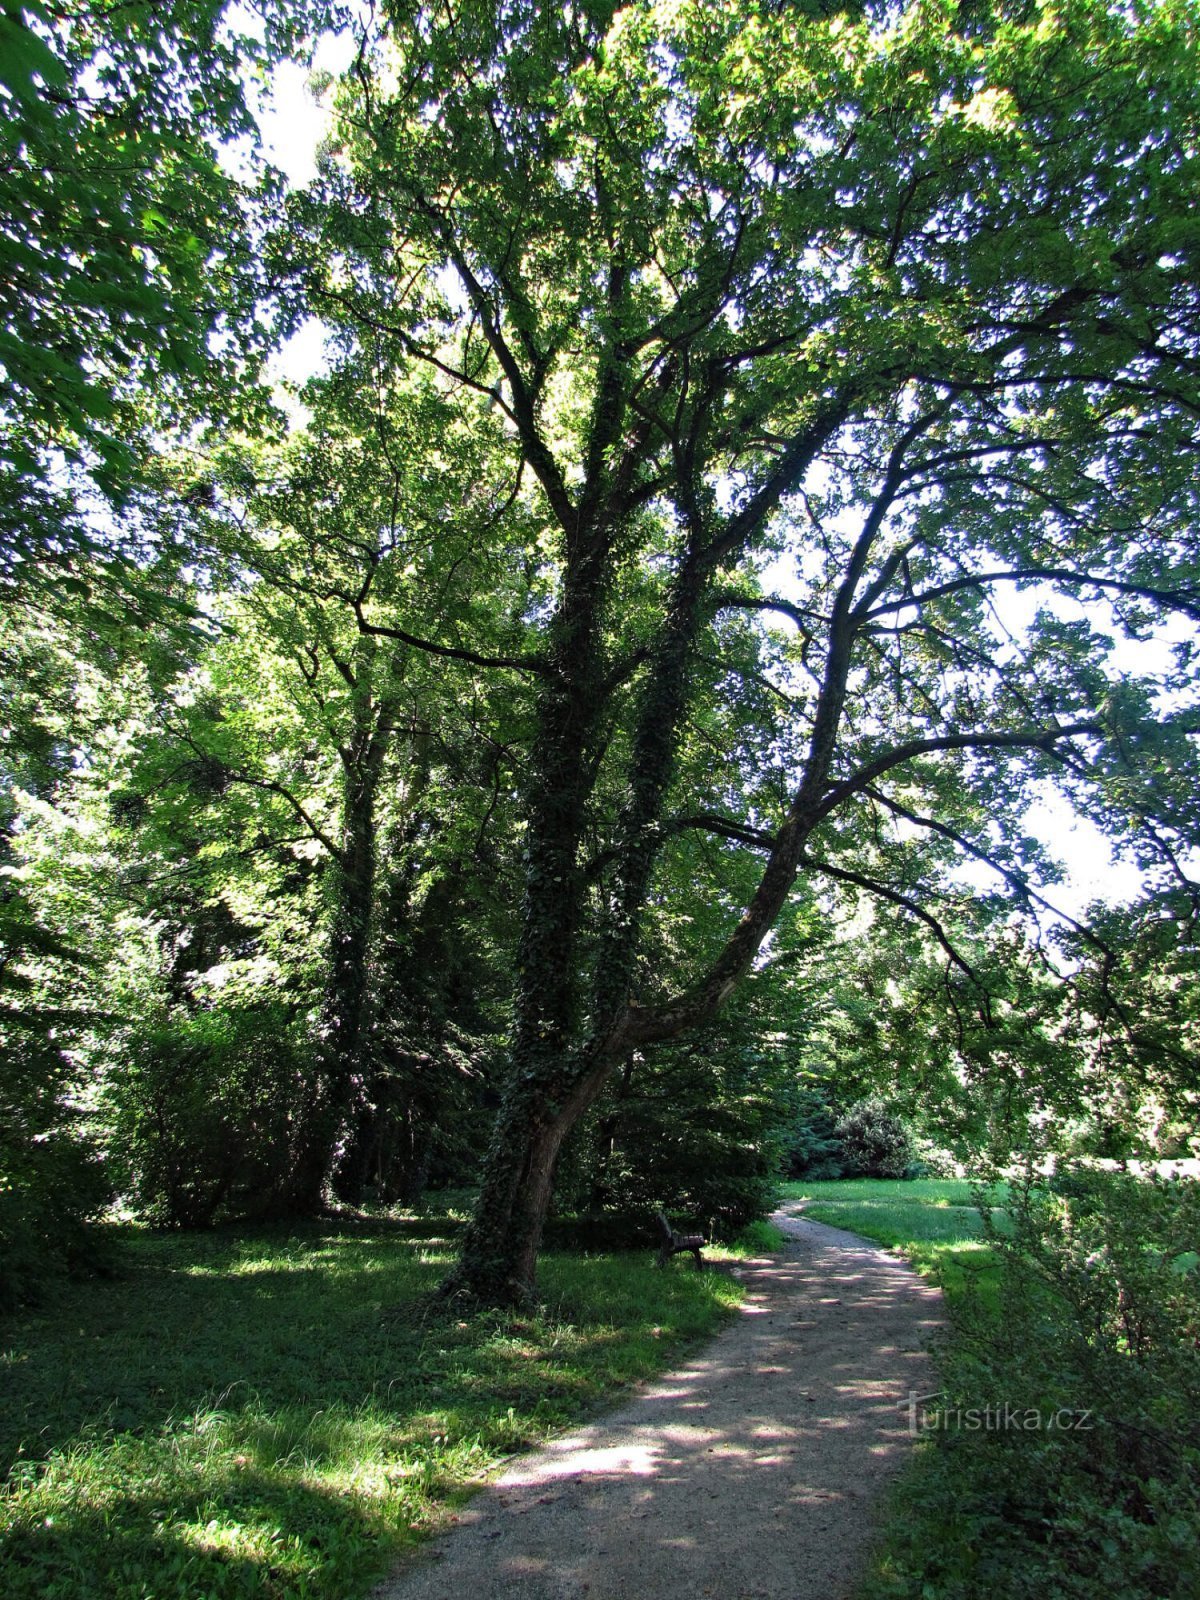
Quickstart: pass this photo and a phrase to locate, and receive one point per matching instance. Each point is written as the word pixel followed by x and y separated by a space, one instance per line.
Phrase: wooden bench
pixel 673 1243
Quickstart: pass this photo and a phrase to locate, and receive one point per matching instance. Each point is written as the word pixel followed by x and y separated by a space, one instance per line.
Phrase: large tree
pixel 856 320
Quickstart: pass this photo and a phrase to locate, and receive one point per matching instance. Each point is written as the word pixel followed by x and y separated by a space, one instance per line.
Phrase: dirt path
pixel 752 1471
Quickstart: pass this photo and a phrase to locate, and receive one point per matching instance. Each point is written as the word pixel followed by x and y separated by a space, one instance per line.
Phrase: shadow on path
pixel 752 1471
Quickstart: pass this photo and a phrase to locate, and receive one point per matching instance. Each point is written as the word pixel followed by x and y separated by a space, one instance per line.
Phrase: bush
pixel 874 1142
pixel 53 1186
pixel 52 1181
pixel 207 1115
pixel 1096 1325
pixel 699 1178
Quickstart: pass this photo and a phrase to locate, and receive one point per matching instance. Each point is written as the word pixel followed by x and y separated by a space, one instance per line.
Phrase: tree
pixel 902 299
pixel 53 1183
pixel 131 301
pixel 126 301
pixel 342 520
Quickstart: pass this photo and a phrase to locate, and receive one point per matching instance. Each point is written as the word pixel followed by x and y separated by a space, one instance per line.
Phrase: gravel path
pixel 750 1472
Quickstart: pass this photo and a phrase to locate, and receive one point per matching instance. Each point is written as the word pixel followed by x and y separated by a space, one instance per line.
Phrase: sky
pixel 293 124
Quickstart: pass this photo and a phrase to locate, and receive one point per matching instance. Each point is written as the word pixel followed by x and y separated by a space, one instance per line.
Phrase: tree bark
pixel 549 1085
pixel 498 1263
pixel 335 1103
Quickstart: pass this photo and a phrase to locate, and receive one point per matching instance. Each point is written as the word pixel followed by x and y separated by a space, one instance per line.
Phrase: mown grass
pixel 933 1222
pixel 276 1413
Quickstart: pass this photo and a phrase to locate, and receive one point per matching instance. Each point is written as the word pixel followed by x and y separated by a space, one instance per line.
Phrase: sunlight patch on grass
pixel 932 1222
pixel 275 1414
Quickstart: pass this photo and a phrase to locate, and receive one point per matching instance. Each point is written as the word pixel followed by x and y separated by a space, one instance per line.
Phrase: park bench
pixel 673 1243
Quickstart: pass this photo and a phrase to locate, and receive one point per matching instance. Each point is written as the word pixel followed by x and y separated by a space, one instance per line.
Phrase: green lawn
pixel 932 1222
pixel 274 1413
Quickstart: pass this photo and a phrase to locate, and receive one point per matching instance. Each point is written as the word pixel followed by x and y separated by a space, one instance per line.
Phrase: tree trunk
pixel 336 1099
pixel 338 1077
pixel 560 1065
pixel 608 1131
pixel 498 1263
pixel 552 1080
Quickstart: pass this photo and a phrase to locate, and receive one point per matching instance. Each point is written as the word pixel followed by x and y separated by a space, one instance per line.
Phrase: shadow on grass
pixel 206 1322
pixel 246 1533
pixel 251 1413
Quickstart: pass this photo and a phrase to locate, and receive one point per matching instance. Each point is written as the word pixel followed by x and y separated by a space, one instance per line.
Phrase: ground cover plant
pixel 274 1413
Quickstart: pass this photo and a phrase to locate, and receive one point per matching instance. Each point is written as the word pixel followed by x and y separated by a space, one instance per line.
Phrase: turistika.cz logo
pixel 927 1414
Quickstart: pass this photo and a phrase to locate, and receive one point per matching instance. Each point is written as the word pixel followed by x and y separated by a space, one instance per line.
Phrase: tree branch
pixel 1025 739
pixel 534 664
pixel 884 892
pixel 1185 601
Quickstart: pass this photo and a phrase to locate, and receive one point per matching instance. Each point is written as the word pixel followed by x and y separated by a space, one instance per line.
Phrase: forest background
pixel 590 722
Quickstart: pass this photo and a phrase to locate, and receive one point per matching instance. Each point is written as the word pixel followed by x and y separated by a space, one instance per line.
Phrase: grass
pixel 931 1222
pixel 276 1413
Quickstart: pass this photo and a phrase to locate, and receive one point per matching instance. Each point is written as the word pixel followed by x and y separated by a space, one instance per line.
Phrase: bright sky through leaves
pixel 293 123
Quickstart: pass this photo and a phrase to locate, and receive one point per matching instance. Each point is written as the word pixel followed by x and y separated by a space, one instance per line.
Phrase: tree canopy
pixel 756 441
pixel 894 310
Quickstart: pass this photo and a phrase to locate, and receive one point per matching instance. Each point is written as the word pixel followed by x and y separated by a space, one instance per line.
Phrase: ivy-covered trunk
pixel 498 1264
pixel 565 1048
pixel 551 1081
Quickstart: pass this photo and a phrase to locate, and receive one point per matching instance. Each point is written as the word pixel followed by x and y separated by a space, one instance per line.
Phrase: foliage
pixel 696 1130
pixel 125 306
pixel 1093 1322
pixel 126 264
pixel 1061 1037
pixel 283 781
pixel 204 1114
pixel 52 1181
pixel 813 1146
pixel 901 299
pixel 756 443
pixel 874 1141
pixel 277 1413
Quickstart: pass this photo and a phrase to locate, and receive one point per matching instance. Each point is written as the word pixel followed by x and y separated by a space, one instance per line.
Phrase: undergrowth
pixel 1061 1460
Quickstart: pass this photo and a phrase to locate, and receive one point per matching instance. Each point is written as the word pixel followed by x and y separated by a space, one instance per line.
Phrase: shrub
pixel 695 1129
pixel 1096 1324
pixel 52 1181
pixel 874 1141
pixel 53 1185
pixel 813 1147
